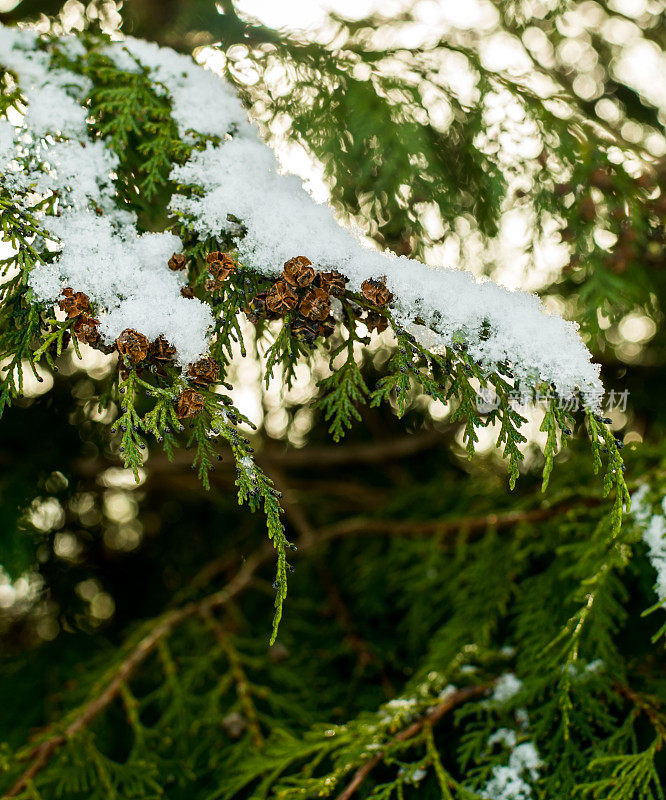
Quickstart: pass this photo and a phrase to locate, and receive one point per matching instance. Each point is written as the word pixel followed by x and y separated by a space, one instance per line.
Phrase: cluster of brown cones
pixel 135 348
pixel 190 402
pixel 300 288
pixel 219 266
pixel 303 290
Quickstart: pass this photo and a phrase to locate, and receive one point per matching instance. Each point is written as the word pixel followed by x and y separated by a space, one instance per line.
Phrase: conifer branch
pixel 358 526
pixel 42 753
pixel 375 452
pixel 243 688
pixel 453 700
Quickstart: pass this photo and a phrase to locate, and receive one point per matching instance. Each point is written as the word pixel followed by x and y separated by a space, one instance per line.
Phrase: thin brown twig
pixel 240 678
pixel 363 526
pixel 647 705
pixel 452 701
pixel 370 453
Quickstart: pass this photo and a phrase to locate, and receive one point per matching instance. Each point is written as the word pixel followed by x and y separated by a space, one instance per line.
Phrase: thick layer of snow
pixel 240 177
pixel 53 95
pixel 130 278
pixel 79 171
pixel 99 250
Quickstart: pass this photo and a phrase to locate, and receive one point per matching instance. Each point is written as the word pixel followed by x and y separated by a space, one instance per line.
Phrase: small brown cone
pixel 162 350
pixel 305 329
pixel 299 272
pixel 315 305
pixel 189 403
pixel 177 262
pixel 132 345
pixel 374 290
pixel 332 282
pixel 204 371
pixel 85 330
pixel 602 179
pixel 375 321
pixel 74 304
pixel 220 268
pixel 257 306
pixel 281 299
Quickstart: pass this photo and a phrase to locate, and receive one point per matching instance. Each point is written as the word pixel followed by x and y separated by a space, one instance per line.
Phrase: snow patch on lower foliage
pixel 653 526
pixel 507 687
pixel 513 780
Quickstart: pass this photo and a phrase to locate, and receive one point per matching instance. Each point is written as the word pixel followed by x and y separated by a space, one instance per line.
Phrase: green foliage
pixel 147 142
pixel 626 776
pixel 342 391
pixel 422 587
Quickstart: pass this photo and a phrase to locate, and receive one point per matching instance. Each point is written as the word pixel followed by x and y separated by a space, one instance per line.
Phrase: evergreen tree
pixel 476 609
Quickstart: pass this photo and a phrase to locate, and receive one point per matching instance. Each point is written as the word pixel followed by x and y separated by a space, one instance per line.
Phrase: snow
pixel 52 109
pixel 504 736
pixel 129 279
pixel 240 177
pixel 80 172
pixel 653 526
pixel 54 95
pixel 510 782
pixel 99 249
pixel 7 144
pixel 506 687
